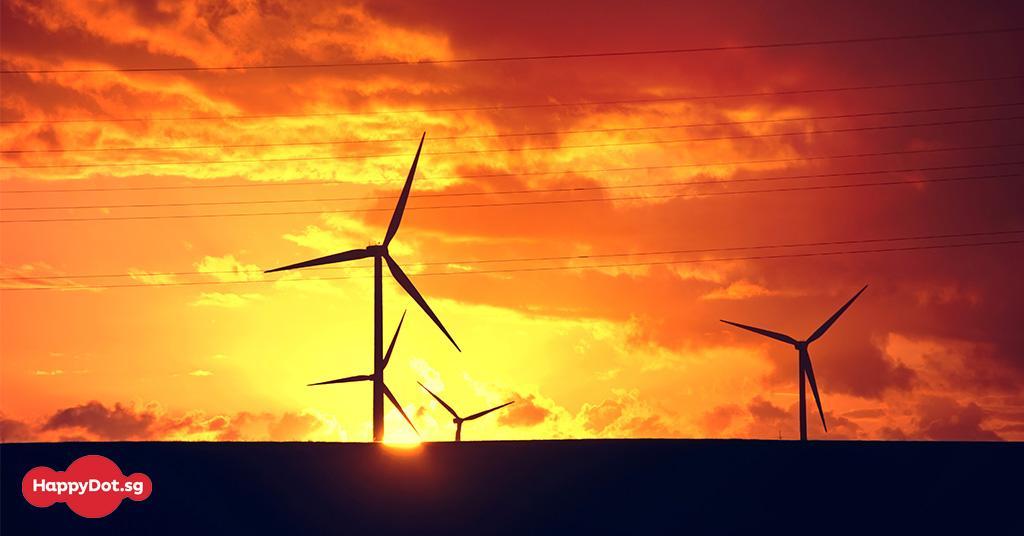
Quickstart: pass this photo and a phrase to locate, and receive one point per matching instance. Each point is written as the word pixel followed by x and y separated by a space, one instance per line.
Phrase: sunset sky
pixel 553 225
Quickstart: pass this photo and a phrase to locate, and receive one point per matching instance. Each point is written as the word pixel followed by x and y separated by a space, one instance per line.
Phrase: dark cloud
pixel 854 366
pixel 947 420
pixel 765 420
pixel 867 413
pixel 14 431
pixel 764 411
pixel 110 424
pixel 839 427
pixel 246 426
pixel 95 421
pixel 930 418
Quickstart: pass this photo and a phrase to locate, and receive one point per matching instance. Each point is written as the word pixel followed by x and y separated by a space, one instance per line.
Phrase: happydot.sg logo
pixel 93 486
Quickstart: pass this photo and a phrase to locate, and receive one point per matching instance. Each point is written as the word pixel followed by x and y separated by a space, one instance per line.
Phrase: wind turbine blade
pixel 446 406
pixel 482 413
pixel 396 218
pixel 350 255
pixel 777 336
pixel 350 379
pixel 394 401
pixel 411 289
pixel 828 323
pixel 387 356
pixel 809 370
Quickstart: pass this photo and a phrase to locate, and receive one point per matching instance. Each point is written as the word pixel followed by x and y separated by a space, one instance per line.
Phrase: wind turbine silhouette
pixel 459 420
pixel 380 254
pixel 806 370
pixel 378 377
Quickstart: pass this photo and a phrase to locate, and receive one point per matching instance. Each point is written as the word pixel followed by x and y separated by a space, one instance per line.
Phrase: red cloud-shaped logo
pixel 93 486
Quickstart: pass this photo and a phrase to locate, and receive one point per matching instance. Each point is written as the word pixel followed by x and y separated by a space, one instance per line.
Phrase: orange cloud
pixel 525 412
pixel 602 316
pixel 94 421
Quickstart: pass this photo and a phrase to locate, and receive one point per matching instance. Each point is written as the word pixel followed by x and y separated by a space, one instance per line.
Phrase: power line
pixel 512 134
pixel 550 268
pixel 333 182
pixel 525 203
pixel 498 107
pixel 518 149
pixel 564 257
pixel 483 193
pixel 563 56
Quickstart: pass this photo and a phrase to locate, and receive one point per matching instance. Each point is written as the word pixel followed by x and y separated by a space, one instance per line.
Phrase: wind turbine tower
pixel 380 255
pixel 806 371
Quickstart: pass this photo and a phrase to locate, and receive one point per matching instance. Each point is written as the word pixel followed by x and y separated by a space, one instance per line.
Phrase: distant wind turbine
pixel 459 420
pixel 378 378
pixel 806 370
pixel 379 252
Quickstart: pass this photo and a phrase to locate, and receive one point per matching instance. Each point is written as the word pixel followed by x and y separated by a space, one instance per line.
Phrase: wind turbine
pixel 806 370
pixel 378 377
pixel 459 420
pixel 380 255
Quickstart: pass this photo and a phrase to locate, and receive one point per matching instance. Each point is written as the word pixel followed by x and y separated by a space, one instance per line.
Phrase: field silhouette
pixel 620 486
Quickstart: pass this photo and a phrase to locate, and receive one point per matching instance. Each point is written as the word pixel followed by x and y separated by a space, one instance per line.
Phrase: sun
pixel 402 445
pixel 403 442
pixel 400 436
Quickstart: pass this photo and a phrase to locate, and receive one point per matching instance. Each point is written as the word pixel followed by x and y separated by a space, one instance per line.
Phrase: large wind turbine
pixel 806 370
pixel 380 254
pixel 459 420
pixel 378 377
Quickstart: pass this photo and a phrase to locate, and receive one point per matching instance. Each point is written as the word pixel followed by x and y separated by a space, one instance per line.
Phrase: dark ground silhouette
pixel 675 486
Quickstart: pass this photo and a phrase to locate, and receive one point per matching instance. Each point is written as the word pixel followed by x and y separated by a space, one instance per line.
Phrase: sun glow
pixel 403 443
pixel 398 435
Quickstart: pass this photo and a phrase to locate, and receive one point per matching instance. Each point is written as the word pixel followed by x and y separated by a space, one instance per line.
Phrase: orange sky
pixel 932 350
